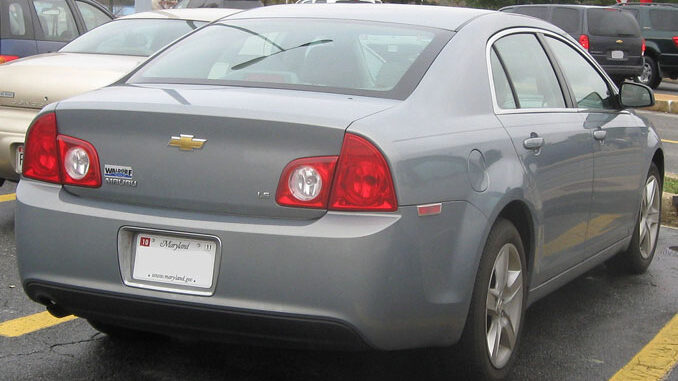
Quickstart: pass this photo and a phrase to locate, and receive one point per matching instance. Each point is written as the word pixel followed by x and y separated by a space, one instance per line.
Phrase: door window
pixel 56 20
pixel 533 79
pixel 92 16
pixel 590 89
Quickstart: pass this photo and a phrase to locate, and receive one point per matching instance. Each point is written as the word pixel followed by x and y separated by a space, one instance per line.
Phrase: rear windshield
pixel 132 37
pixel 611 22
pixel 361 58
pixel 663 19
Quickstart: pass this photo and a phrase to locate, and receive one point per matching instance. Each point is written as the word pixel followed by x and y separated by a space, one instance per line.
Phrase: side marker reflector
pixel 429 210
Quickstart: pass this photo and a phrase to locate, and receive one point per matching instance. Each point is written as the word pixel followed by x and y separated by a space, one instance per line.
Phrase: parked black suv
pixel 659 26
pixel 610 35
pixel 29 27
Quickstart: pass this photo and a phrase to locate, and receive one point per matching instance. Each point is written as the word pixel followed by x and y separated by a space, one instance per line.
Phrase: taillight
pixel 58 158
pixel 41 159
pixel 643 47
pixel 675 41
pixel 306 182
pixel 584 41
pixel 363 179
pixel 4 58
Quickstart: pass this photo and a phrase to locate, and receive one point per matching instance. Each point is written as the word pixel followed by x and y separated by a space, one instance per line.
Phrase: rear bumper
pixel 383 280
pixel 623 70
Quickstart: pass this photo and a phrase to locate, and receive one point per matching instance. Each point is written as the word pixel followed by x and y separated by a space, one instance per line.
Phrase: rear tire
pixel 640 253
pixel 494 324
pixel 650 75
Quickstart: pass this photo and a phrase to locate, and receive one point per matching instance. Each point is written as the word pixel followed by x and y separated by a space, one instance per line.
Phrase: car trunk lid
pixel 249 136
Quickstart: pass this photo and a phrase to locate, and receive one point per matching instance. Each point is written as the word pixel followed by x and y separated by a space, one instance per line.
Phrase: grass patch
pixel 670 184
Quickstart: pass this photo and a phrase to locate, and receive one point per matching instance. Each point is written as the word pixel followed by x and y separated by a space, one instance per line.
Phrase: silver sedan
pixel 382 176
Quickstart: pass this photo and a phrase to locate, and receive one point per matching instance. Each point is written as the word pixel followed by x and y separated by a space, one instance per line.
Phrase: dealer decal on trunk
pixel 119 175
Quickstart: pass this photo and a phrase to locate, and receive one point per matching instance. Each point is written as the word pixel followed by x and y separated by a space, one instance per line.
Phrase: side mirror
pixel 635 95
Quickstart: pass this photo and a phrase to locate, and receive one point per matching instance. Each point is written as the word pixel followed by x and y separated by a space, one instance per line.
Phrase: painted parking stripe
pixel 7 197
pixel 670 141
pixel 31 323
pixel 657 359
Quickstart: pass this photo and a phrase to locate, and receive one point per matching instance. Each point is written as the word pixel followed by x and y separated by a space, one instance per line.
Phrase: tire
pixel 650 75
pixel 117 332
pixel 640 252
pixel 492 333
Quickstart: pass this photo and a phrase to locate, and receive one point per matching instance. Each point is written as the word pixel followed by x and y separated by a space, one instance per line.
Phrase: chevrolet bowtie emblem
pixel 620 41
pixel 186 142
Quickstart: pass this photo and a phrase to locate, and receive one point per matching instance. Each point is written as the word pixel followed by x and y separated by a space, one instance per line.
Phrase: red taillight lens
pixel 58 158
pixel 675 41
pixel 643 47
pixel 80 162
pixel 363 179
pixel 584 41
pixel 306 182
pixel 4 58
pixel 41 160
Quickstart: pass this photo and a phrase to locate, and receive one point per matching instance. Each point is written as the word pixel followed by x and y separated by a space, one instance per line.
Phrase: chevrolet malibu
pixel 393 177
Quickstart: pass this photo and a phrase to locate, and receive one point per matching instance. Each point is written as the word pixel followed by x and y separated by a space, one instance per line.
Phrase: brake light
pixel 675 41
pixel 41 160
pixel 584 41
pixel 643 47
pixel 58 158
pixel 306 182
pixel 4 58
pixel 363 179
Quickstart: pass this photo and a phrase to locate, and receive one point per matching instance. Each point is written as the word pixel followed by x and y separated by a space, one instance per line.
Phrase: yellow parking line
pixel 31 323
pixel 7 197
pixel 657 358
pixel 670 141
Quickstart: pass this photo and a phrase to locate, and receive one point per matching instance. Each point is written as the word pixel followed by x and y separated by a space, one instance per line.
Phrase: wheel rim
pixel 646 74
pixel 504 305
pixel 649 217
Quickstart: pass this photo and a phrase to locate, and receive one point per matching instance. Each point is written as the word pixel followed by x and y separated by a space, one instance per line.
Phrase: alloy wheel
pixel 504 305
pixel 646 74
pixel 649 217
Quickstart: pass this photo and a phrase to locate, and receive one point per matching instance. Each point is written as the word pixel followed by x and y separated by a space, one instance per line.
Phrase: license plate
pixel 19 158
pixel 174 260
pixel 617 54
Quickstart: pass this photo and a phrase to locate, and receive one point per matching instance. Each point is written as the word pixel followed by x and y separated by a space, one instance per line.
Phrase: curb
pixel 664 105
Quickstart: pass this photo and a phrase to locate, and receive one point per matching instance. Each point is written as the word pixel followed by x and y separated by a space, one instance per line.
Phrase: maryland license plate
pixel 174 260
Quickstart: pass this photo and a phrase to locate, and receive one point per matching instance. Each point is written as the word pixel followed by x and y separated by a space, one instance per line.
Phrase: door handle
pixel 534 143
pixel 599 134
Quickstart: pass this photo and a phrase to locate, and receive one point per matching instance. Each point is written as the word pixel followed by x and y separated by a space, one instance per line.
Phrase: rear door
pixel 614 38
pixel 554 146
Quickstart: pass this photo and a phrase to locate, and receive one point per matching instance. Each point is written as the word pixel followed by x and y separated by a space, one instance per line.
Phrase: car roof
pixel 450 18
pixel 581 6
pixel 196 14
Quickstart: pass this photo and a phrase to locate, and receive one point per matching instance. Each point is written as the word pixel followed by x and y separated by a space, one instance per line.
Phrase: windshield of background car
pixel 336 56
pixel 132 37
pixel 612 22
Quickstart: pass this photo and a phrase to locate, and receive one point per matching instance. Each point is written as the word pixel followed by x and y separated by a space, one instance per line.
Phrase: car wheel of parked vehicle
pixel 650 75
pixel 495 318
pixel 117 332
pixel 638 256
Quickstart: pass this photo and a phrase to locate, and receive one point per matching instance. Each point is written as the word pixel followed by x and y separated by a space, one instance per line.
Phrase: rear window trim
pixel 403 89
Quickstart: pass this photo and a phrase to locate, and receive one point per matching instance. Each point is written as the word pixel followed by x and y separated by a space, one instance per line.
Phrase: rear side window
pixel 92 16
pixel 538 12
pixel 15 21
pixel 663 19
pixel 533 79
pixel 567 19
pixel 56 20
pixel 611 22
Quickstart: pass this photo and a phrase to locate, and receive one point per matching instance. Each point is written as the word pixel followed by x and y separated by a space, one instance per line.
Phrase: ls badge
pixel 186 142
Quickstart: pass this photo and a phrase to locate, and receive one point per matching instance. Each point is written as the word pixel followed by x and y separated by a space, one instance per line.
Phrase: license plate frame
pixel 617 54
pixel 19 158
pixel 134 262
